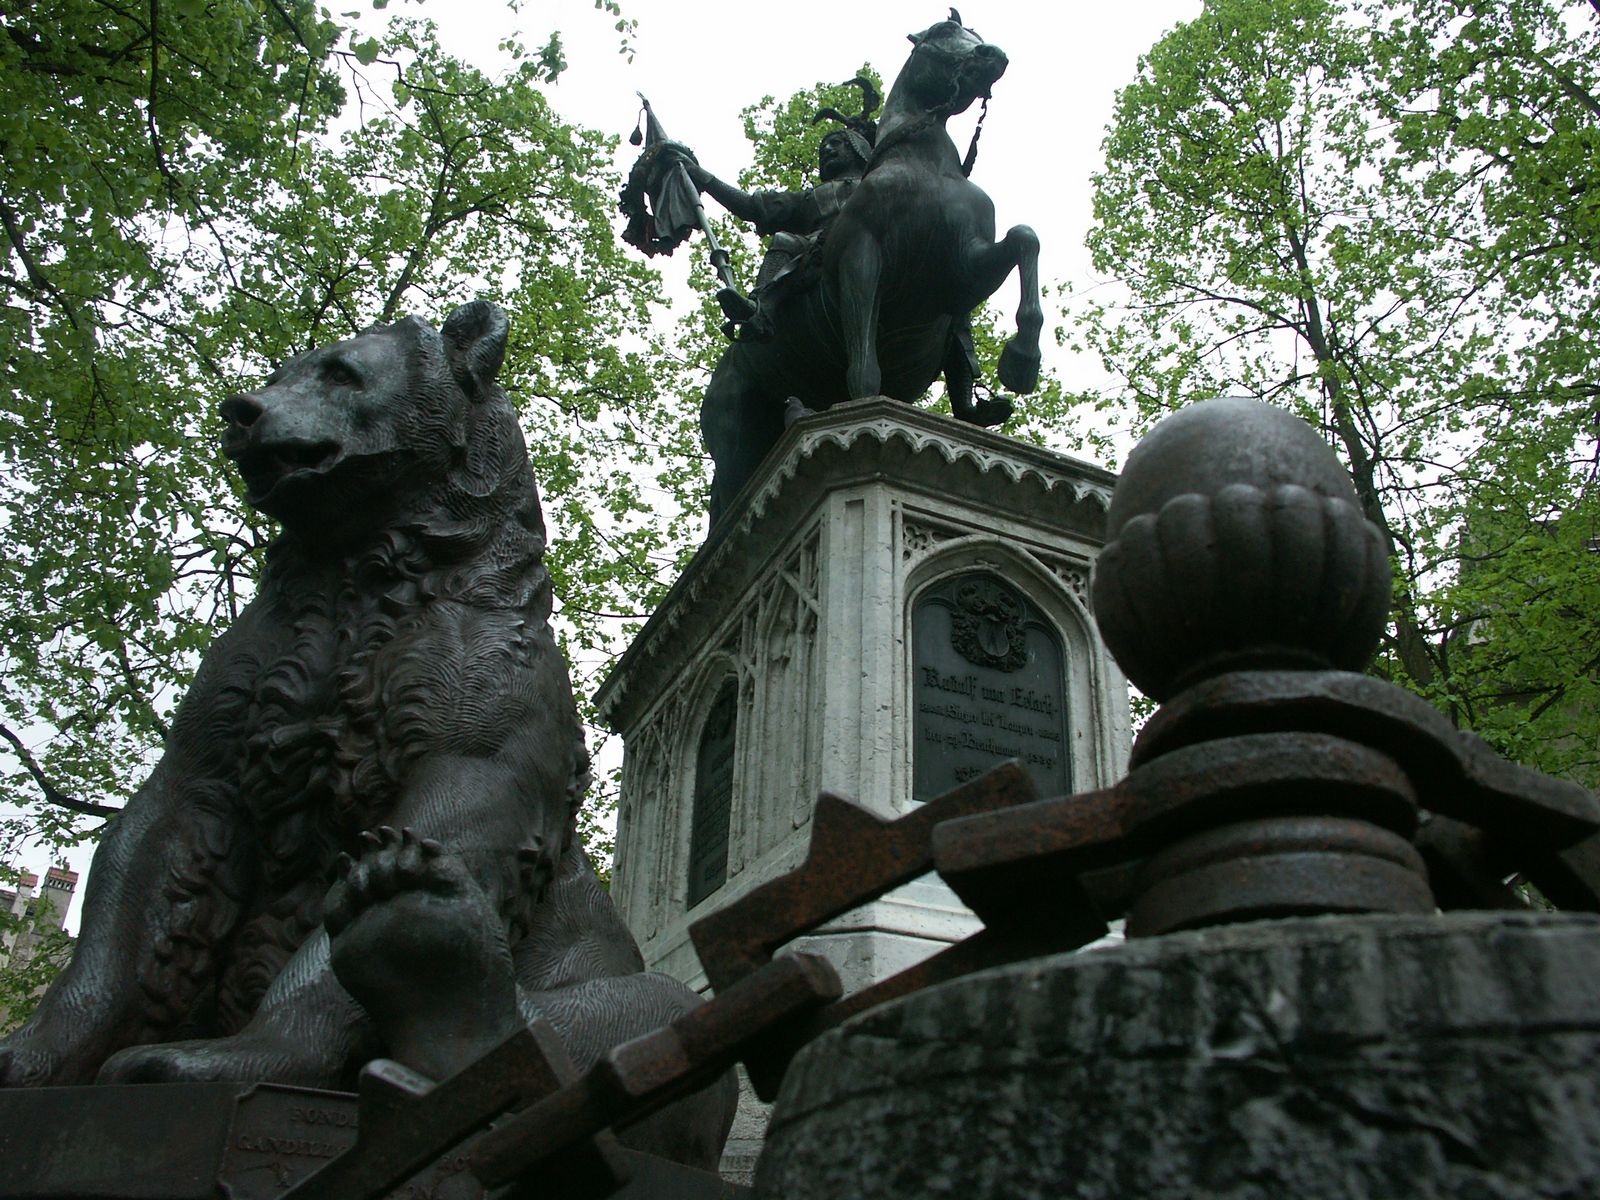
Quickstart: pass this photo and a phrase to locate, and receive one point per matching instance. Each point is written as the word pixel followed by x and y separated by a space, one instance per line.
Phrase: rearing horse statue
pixel 911 252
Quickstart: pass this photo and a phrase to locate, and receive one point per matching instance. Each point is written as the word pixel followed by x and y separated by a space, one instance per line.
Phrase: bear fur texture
pixel 389 717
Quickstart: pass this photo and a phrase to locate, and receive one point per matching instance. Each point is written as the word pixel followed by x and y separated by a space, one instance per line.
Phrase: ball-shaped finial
pixel 1237 543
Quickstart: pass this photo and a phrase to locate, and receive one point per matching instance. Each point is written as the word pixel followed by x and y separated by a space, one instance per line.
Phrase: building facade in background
pixel 39 914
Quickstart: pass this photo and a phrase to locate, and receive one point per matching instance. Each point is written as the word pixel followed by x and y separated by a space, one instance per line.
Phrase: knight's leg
pixel 961 371
pixel 860 268
pixel 737 428
pixel 719 433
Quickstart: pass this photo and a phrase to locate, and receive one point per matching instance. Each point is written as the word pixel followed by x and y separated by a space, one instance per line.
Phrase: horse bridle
pixel 931 115
pixel 926 47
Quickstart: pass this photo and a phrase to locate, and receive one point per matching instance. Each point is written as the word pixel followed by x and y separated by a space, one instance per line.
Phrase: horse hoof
pixel 1019 369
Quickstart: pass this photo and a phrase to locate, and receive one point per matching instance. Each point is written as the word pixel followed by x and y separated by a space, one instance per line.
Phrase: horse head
pixel 950 67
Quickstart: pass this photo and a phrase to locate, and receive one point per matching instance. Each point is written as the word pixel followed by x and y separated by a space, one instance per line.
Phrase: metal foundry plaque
pixel 988 683
pixel 282 1134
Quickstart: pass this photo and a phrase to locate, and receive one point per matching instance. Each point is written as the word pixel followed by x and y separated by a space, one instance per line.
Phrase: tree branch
pixel 288 19
pixel 36 275
pixel 431 226
pixel 53 794
pixel 150 104
pixel 1567 84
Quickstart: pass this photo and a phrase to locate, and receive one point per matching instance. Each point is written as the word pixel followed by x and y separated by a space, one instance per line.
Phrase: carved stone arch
pixel 710 764
pixel 1095 691
pixel 1067 611
pixel 636 881
pixel 785 707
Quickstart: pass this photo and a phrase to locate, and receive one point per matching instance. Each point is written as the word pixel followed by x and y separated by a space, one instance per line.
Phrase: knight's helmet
pixel 861 131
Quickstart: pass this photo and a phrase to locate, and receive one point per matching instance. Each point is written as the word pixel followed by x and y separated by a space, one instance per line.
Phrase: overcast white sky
pixel 701 61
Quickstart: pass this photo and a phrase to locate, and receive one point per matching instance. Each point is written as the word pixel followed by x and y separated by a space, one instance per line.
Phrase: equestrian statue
pixel 886 260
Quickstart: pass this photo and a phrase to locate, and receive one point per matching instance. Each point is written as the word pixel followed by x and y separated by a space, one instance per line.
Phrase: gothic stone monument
pixel 898 602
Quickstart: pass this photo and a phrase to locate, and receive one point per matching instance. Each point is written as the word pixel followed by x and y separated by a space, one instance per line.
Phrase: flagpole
pixel 720 261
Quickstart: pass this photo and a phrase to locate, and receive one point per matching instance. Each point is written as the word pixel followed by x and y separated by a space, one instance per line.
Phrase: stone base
pixel 743 1148
pixel 201 1141
pixel 812 644
pixel 819 608
pixel 1452 1056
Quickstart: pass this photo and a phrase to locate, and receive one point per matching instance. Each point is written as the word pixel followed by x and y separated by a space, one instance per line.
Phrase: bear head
pixel 353 437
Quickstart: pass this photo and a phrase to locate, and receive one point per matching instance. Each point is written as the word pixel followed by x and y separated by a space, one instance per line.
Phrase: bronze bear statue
pixel 395 672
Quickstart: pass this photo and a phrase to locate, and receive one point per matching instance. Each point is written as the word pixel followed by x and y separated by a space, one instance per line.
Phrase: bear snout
pixel 242 410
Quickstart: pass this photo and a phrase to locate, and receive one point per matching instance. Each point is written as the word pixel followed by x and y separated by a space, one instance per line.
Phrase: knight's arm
pixel 744 205
pixel 769 212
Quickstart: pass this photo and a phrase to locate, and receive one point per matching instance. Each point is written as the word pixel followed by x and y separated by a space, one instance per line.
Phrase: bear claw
pixel 395 862
pixel 419 945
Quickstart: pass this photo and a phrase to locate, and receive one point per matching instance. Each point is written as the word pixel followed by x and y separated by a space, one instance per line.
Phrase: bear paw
pixel 24 1062
pixel 62 1045
pixel 246 1058
pixel 420 946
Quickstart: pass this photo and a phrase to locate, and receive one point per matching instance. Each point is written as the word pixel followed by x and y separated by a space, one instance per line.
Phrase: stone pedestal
pixel 205 1141
pixel 895 603
pixel 1335 1058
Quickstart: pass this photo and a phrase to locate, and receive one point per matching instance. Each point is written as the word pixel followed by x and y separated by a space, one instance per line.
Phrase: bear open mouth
pixel 264 467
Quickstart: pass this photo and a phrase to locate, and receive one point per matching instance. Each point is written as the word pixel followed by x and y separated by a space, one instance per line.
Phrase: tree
pixel 189 196
pixel 1508 96
pixel 1384 217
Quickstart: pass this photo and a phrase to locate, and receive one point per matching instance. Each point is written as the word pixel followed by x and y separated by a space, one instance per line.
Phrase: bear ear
pixel 475 343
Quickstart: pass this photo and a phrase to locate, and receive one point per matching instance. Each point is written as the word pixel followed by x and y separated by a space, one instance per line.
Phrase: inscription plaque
pixel 713 797
pixel 988 684
pixel 279 1135
pixel 282 1134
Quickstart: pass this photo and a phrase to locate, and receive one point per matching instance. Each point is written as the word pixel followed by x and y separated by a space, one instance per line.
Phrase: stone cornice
pixel 867 440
